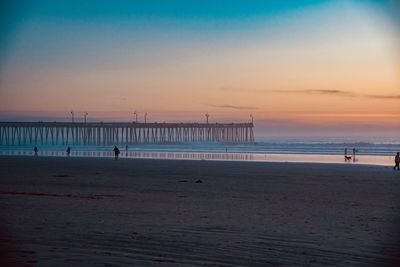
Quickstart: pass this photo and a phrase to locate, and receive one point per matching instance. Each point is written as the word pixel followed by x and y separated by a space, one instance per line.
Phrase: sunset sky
pixel 301 67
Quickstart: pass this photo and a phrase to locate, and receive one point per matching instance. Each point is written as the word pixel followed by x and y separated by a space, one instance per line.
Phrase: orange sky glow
pixel 335 64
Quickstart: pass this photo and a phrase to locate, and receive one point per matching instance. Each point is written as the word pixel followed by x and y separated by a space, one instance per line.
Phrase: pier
pixel 121 133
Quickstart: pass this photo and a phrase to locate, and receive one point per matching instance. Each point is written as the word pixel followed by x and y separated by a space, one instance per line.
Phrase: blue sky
pixel 61 26
pixel 205 9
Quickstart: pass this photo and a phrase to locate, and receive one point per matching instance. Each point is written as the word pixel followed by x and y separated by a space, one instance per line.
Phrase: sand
pixel 101 212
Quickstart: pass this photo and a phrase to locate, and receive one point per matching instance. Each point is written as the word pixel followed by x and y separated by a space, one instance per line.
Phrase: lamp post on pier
pixel 72 115
pixel 85 115
pixel 135 113
pixel 145 117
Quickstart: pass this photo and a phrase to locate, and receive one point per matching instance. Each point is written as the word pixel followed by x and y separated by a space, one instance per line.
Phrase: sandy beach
pixel 101 212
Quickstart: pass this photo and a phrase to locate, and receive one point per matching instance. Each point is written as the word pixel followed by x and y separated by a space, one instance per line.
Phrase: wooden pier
pixel 121 133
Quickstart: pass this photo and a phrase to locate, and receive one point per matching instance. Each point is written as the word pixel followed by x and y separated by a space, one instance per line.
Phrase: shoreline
pixel 375 160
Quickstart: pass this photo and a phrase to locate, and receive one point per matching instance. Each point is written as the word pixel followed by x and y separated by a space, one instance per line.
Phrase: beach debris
pixel 199 181
pixel 162 259
pixel 182 181
pixel 61 175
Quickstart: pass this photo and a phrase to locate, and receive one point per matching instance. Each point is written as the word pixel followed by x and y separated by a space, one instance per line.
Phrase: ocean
pixel 323 150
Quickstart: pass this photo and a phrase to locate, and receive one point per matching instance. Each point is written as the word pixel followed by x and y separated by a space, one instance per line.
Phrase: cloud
pixel 332 92
pixel 383 96
pixel 316 92
pixel 336 92
pixel 233 107
pixel 289 91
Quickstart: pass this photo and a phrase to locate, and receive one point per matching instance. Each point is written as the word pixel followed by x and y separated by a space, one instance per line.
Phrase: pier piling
pixel 119 133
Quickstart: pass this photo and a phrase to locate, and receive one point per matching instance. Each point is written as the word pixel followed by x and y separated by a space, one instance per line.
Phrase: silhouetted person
pixel 396 161
pixel 116 152
pixel 354 154
pixel 126 150
pixel 68 151
pixel 35 149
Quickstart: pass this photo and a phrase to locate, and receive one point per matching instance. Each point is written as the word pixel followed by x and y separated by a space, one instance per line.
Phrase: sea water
pixel 320 150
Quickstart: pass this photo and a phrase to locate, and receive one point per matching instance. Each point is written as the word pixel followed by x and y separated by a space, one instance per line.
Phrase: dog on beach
pixel 347 158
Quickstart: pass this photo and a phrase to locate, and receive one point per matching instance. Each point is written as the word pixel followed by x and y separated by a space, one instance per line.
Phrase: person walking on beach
pixel 116 152
pixel 68 151
pixel 396 161
pixel 35 149
pixel 126 150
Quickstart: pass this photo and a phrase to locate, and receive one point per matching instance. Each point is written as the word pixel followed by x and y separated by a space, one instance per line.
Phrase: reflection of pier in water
pixel 137 155
pixel 121 133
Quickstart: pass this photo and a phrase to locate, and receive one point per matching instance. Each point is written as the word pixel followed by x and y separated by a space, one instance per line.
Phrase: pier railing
pixel 121 133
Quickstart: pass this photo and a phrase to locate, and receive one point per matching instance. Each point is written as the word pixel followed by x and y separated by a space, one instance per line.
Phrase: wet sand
pixel 101 212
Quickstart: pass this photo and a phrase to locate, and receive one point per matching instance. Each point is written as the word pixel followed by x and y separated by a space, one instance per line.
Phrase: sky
pixel 302 68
